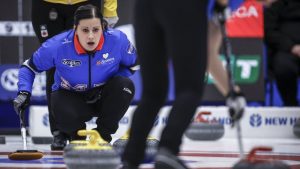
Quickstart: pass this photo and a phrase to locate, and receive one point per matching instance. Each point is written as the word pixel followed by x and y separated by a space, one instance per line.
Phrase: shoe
pixel 126 165
pixel 59 140
pixel 166 160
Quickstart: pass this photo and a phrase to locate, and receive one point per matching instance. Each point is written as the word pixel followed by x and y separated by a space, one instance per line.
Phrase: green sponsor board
pixel 246 68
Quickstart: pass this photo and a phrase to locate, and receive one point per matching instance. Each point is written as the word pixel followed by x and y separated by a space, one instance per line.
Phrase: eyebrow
pixel 89 27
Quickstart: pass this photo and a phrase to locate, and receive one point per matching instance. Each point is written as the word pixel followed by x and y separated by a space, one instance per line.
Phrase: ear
pixel 75 29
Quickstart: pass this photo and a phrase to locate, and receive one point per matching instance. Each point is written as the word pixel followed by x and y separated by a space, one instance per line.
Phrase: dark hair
pixel 87 12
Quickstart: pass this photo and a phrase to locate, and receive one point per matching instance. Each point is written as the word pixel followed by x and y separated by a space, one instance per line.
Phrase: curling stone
pixel 2 140
pixel 253 162
pixel 92 155
pixel 201 129
pixel 84 142
pixel 74 143
pixel 296 128
pixel 151 147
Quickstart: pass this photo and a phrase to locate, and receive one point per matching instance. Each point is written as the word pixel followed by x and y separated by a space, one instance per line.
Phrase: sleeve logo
pixel 130 49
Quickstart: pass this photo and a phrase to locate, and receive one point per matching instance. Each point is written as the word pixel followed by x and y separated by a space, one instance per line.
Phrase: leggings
pixel 167 30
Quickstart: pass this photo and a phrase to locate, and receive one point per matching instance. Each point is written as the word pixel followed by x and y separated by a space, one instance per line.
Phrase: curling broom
pixel 24 154
pixel 227 52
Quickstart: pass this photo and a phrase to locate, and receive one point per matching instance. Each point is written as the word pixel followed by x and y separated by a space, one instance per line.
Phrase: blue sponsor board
pixel 9 121
pixel 9 84
pixel 9 80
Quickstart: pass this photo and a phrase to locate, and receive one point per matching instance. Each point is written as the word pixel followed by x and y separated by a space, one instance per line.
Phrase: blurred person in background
pixel 215 38
pixel 155 45
pixel 215 66
pixel 282 25
pixel 51 17
pixel 166 32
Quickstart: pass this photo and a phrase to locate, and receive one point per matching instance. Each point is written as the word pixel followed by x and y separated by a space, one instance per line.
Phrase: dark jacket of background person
pixel 282 25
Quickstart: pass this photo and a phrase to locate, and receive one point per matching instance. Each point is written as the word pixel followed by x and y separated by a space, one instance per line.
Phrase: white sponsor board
pixel 15 28
pixel 258 122
pixel 39 121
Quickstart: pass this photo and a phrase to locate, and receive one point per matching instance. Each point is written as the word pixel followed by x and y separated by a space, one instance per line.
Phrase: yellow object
pixel 67 2
pixel 109 6
pixel 93 142
pixel 151 138
pixel 126 136
pixel 79 142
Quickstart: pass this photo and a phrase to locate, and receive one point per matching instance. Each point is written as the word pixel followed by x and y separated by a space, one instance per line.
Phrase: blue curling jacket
pixel 77 70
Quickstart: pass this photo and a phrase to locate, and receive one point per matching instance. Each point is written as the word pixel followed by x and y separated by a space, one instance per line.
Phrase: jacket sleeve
pixel 129 61
pixel 110 8
pixel 41 60
pixel 274 38
pixel 26 78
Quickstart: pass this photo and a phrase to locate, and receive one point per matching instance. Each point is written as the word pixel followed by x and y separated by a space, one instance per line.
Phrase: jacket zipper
pixel 90 72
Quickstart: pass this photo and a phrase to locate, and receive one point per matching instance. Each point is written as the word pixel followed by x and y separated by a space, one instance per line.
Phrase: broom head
pixel 25 155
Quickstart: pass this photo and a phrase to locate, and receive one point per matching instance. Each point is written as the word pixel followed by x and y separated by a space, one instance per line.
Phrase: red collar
pixel 80 50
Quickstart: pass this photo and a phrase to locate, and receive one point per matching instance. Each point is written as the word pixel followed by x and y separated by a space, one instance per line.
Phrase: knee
pixel 124 85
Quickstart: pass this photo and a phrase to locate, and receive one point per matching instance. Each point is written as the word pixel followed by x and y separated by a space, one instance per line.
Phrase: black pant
pixel 167 28
pixel 72 109
pixel 286 69
pixel 43 14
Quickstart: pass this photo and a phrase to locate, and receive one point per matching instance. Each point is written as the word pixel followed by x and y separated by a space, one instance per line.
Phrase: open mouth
pixel 91 43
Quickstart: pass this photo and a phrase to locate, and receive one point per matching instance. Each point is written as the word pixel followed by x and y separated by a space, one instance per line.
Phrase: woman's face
pixel 89 32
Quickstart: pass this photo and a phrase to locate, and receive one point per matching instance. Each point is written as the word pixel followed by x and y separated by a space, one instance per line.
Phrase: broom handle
pixel 227 50
pixel 239 137
pixel 23 129
pixel 231 82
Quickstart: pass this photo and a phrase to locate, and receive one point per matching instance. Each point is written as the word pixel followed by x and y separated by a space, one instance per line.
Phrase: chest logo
pixel 71 63
pixel 105 55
